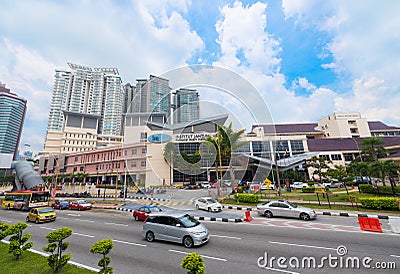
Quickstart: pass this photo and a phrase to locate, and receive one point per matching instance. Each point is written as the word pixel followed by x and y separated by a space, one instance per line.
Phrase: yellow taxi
pixel 41 214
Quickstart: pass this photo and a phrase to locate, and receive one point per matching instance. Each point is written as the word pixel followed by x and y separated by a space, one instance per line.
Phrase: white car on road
pixel 208 203
pixel 298 185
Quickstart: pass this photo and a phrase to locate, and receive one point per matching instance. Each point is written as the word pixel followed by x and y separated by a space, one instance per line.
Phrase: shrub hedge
pixel 247 198
pixel 308 189
pixel 387 190
pixel 380 203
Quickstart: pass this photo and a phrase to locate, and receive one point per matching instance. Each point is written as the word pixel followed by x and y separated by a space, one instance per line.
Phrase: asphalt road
pixel 233 248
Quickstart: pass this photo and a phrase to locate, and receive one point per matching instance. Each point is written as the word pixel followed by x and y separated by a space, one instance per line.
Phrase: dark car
pixel 60 204
pixel 142 212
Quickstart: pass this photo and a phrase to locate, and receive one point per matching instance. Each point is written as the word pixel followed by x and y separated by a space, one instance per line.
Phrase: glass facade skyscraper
pixel 152 95
pixel 12 115
pixel 187 106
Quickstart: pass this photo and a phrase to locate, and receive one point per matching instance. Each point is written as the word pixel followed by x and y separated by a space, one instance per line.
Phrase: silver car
pixel 285 209
pixel 175 227
pixel 208 203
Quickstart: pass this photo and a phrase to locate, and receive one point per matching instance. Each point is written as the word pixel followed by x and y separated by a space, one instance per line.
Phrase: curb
pixel 224 220
pixel 345 214
pixel 201 218
pixel 147 198
pixel 325 213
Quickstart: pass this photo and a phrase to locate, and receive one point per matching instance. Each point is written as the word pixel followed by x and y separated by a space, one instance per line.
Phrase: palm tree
pixel 391 169
pixel 226 142
pixel 373 148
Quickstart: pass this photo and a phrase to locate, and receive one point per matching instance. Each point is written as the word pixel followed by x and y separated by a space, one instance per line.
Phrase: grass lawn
pixel 31 263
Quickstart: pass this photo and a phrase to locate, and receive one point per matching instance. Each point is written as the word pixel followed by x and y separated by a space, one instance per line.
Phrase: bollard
pixel 248 217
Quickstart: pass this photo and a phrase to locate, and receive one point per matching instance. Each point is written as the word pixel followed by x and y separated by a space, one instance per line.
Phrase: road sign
pixel 320 189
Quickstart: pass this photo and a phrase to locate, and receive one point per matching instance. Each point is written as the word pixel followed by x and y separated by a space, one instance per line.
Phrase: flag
pixel 73 180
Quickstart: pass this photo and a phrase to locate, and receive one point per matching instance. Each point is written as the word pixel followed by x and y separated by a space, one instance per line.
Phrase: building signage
pixel 191 137
pixel 159 138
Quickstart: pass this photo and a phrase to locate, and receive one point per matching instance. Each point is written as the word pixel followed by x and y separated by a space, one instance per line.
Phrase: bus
pixel 25 199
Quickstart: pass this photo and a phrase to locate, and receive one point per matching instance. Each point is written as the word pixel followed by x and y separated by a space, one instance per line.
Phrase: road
pixel 233 247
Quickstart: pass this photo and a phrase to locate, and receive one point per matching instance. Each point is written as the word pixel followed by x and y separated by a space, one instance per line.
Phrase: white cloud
pixel 364 46
pixel 242 36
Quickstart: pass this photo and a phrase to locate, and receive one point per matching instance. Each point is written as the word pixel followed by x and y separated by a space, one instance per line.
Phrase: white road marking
pixel 116 224
pixel 397 256
pixel 89 221
pixel 280 270
pixel 49 228
pixel 204 256
pixel 128 243
pixel 300 245
pixel 84 235
pixel 229 237
pixel 73 214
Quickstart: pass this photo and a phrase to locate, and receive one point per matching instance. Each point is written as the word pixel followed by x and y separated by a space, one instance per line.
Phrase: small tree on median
pixel 103 247
pixel 193 263
pixel 56 247
pixel 17 241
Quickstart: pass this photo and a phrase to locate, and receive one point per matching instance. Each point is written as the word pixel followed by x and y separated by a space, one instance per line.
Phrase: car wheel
pixel 304 216
pixel 268 214
pixel 187 241
pixel 197 207
pixel 37 221
pixel 8 207
pixel 79 209
pixel 137 218
pixel 27 219
pixel 150 236
pixel 209 209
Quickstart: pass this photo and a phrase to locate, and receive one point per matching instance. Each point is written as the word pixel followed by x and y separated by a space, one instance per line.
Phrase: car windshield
pixel 81 202
pixel 188 221
pixel 292 205
pixel 45 210
pixel 155 209
pixel 210 201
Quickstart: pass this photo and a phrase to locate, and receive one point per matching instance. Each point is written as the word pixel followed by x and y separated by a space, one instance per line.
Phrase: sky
pixel 306 58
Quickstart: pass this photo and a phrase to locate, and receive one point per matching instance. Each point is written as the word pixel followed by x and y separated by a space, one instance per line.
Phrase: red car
pixel 142 212
pixel 80 205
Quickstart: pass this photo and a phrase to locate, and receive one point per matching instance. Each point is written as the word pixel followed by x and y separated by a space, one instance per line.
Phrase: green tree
pixel 17 241
pixel 169 156
pixel 373 148
pixel 56 247
pixel 340 173
pixel 226 142
pixel 391 169
pixel 193 263
pixel 103 247
pixel 320 166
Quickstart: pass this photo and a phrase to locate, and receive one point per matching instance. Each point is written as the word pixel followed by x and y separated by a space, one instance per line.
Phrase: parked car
pixel 175 227
pixel 142 212
pixel 208 203
pixel 205 185
pixel 60 204
pixel 298 185
pixel 80 205
pixel 285 209
pixel 41 214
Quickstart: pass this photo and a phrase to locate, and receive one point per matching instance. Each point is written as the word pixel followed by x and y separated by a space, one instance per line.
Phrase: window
pixel 325 157
pixel 144 150
pixel 336 157
pixel 134 152
pixel 143 136
pixel 143 163
pixel 81 168
pixel 133 164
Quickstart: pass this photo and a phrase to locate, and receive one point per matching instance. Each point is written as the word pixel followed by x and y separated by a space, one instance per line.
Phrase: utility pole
pixel 277 172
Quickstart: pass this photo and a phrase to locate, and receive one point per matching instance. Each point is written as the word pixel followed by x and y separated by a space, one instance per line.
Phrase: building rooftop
pixel 377 125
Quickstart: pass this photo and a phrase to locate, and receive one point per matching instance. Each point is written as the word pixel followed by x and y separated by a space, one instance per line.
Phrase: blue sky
pixel 306 58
